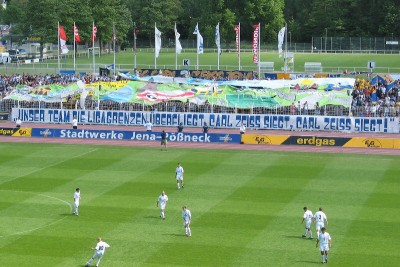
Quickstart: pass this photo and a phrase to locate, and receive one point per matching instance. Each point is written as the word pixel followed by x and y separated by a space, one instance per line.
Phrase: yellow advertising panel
pixel 370 142
pixel 263 139
pixel 396 143
pixel 23 132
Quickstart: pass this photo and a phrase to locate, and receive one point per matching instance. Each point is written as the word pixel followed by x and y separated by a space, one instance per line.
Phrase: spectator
pixel 148 126
pixel 180 127
pixel 205 128
pixel 74 123
pixel 242 128
pixel 18 123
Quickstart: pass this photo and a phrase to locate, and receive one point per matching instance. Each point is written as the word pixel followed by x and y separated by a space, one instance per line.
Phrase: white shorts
pixel 186 223
pixel 162 206
pixel 179 177
pixel 319 225
pixel 76 204
pixel 308 224
pixel 324 247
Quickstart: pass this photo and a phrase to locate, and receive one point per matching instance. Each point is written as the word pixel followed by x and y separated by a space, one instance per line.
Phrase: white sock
pixel 310 233
pixel 323 258
pixel 189 231
pixel 305 232
pixel 179 186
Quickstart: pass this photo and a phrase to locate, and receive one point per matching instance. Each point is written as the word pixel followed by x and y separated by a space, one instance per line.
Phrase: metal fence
pixel 177 106
pixel 372 45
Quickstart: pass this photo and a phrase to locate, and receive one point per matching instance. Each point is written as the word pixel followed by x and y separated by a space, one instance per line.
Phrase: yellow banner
pixel 370 142
pixel 23 132
pixel 263 139
pixel 396 143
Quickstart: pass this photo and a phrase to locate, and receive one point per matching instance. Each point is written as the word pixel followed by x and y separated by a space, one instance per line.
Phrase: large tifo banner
pixel 134 135
pixel 216 120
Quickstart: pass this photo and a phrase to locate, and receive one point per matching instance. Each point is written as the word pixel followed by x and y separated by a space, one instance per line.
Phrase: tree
pixel 108 13
pixel 147 12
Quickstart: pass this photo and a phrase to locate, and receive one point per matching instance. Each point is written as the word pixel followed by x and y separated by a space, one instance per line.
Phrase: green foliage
pixel 306 19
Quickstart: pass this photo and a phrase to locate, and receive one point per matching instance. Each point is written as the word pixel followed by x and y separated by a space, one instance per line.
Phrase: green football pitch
pixel 246 206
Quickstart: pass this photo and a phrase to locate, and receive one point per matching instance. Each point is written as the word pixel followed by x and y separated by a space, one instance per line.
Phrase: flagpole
pixel 197 48
pixel 134 45
pixel 259 42
pixel 219 46
pixel 155 44
pixel 176 47
pixel 285 56
pixel 94 60
pixel 239 47
pixel 114 37
pixel 58 46
pixel 74 49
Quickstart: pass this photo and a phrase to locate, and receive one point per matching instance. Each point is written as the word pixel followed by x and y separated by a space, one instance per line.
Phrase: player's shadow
pixel 295 237
pixel 152 217
pixel 175 235
pixel 309 262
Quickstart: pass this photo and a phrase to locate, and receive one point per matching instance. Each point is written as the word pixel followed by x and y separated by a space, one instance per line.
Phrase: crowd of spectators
pixel 375 100
pixel 367 100
pixel 9 82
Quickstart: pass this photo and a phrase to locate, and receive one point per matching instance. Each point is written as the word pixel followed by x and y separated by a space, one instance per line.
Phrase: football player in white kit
pixel 187 217
pixel 308 216
pixel 325 242
pixel 77 197
pixel 99 253
pixel 320 220
pixel 179 176
pixel 162 202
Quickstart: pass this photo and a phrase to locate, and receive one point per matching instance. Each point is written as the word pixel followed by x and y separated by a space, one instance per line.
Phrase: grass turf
pixel 246 206
pixel 208 61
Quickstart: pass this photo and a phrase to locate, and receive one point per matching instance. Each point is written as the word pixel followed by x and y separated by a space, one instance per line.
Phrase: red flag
pixel 256 36
pixel 94 32
pixel 76 34
pixel 237 31
pixel 63 39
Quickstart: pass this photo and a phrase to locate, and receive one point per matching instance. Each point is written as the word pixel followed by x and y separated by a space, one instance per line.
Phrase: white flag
pixel 218 39
pixel 281 36
pixel 200 49
pixel 178 46
pixel 157 41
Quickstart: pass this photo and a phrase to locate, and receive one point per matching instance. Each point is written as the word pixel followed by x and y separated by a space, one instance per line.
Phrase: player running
pixel 99 253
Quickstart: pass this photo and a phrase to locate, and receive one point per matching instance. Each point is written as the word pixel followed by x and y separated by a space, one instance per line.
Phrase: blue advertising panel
pixel 134 135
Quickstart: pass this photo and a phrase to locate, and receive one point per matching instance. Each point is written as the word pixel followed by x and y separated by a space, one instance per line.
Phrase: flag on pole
pixel 218 39
pixel 281 36
pixel 76 34
pixel 256 35
pixel 200 49
pixel 237 31
pixel 157 41
pixel 63 39
pixel 178 46
pixel 94 32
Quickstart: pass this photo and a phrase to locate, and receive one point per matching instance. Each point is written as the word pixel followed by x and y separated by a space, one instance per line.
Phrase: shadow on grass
pixel 180 235
pixel 294 237
pixel 153 217
pixel 310 262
